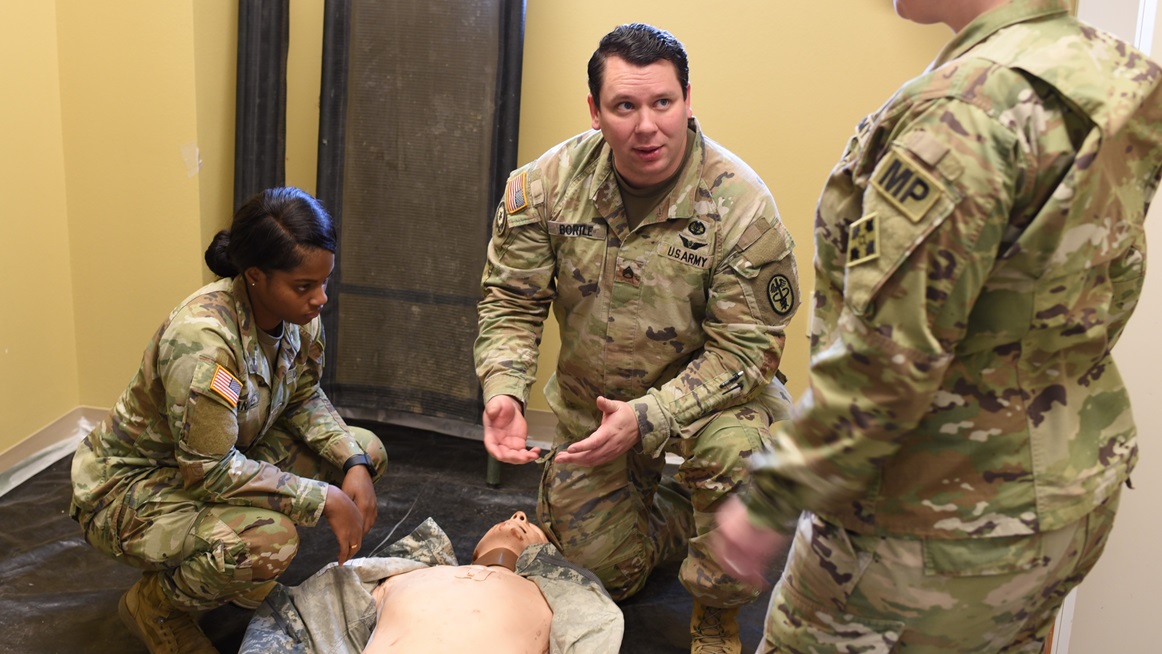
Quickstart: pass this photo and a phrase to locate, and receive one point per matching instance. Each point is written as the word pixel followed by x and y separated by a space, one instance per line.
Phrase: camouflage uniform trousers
pixel 622 519
pixel 845 592
pixel 212 553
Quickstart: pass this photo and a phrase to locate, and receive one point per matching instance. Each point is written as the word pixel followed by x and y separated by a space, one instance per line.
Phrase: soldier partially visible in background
pixel 966 435
pixel 672 280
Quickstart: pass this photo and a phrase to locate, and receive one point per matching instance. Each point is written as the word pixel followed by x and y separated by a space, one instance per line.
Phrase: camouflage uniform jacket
pixel 682 317
pixel 333 612
pixel 200 399
pixel 979 249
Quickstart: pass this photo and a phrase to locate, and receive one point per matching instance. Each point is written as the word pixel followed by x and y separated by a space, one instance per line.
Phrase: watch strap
pixel 360 459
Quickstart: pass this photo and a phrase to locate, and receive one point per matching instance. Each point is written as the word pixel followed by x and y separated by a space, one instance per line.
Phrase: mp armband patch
pixel 906 185
pixel 226 385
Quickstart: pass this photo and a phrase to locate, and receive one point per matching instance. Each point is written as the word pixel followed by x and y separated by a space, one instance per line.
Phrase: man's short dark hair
pixel 641 45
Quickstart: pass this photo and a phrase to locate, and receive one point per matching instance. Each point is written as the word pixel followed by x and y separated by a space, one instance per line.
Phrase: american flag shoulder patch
pixel 226 385
pixel 515 197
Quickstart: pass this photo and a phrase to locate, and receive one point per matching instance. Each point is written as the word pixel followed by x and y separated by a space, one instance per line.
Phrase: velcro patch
pixel 575 230
pixel 863 240
pixel 515 196
pixel 906 185
pixel 226 385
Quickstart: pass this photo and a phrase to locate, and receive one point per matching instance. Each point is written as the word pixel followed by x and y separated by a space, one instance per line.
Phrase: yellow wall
pixel 215 33
pixel 130 129
pixel 38 348
pixel 782 84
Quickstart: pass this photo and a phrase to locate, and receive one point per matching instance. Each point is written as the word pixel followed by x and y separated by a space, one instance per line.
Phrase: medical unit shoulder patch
pixel 781 294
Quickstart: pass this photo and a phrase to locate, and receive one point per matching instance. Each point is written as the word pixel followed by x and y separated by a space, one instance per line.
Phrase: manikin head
pixel 514 534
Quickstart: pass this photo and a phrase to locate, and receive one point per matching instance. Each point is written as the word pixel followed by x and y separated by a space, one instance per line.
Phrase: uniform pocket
pixel 977 557
pixel 826 566
pixel 798 624
pixel 222 545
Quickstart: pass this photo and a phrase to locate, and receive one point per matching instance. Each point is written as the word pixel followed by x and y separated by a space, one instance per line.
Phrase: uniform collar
pixel 246 325
pixel 989 23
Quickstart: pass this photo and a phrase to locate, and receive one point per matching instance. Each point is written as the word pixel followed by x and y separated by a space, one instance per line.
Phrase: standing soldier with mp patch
pixel 966 436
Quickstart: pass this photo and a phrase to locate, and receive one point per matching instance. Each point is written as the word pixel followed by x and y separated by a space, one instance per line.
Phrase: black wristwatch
pixel 360 459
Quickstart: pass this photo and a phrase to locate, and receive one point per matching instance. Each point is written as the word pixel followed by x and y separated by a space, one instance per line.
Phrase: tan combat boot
pixel 164 628
pixel 714 631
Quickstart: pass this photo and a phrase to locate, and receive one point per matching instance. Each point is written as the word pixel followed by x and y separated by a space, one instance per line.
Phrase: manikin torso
pixel 465 608
pixel 483 609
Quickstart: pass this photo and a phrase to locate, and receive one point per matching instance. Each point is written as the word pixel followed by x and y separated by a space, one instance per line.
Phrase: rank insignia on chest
pixel 907 186
pixel 226 385
pixel 863 240
pixel 515 196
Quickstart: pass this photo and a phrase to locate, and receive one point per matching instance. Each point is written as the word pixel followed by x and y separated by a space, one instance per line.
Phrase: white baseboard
pixel 47 446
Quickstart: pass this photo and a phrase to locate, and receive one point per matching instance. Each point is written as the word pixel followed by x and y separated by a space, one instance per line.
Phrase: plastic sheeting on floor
pixel 57 594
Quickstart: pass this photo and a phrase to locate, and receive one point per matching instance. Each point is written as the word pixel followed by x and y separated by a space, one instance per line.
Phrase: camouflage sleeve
pixel 199 374
pixel 518 287
pixel 308 414
pixel 753 295
pixel 934 213
pixel 1128 275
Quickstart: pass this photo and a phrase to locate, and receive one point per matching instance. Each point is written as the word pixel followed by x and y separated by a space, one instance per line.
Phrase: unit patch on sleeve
pixel 863 240
pixel 906 185
pixel 226 385
pixel 781 294
pixel 515 196
pixel 501 222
